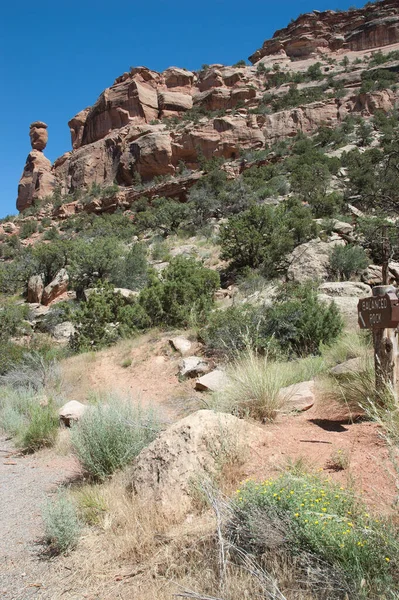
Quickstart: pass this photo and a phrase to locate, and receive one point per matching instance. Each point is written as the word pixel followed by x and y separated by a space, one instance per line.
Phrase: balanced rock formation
pixel 37 179
pixel 147 125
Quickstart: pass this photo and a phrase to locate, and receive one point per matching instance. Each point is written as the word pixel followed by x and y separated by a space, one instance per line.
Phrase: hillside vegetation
pixel 198 298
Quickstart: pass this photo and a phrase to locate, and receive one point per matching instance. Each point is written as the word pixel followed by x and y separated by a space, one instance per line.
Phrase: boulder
pixel 175 101
pixel 212 382
pixel 176 77
pixel 166 471
pixel 126 293
pixel 63 331
pixel 353 365
pixel 298 397
pixel 38 135
pixel 193 366
pixel 347 306
pixel 37 312
pixel 354 289
pixel 55 288
pixel 35 289
pixel 373 274
pixel 310 261
pixel 181 345
pixel 71 412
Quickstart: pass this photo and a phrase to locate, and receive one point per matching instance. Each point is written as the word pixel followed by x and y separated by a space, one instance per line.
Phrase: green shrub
pixel 27 229
pixel 347 261
pixel 165 215
pixel 10 356
pixel 96 319
pixel 262 236
pixel 41 428
pixel 235 329
pixel 12 317
pixel 133 272
pixel 377 79
pixel 61 524
pixel 297 323
pixel 95 260
pixel 314 516
pixel 185 293
pixel 300 322
pixel 33 425
pixel 109 436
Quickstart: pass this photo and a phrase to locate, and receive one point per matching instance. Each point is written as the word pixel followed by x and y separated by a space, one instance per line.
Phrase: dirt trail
pixel 25 482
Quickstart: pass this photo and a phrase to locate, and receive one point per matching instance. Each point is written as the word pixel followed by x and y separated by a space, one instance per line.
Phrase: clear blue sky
pixel 56 57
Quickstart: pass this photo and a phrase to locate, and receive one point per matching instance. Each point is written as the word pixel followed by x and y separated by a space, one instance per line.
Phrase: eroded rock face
pixel 146 124
pixel 369 27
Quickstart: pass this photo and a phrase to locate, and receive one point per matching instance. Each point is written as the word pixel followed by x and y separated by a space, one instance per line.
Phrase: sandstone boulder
pixel 348 368
pixel 347 306
pixel 212 382
pixel 298 397
pixel 38 135
pixel 310 261
pixel 175 101
pixel 55 288
pixel 63 332
pixel 35 289
pixel 193 366
pixel 176 77
pixel 166 471
pixel 181 345
pixel 71 412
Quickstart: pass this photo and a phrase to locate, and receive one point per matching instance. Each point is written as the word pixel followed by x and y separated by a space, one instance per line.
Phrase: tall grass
pixel 256 381
pixel 109 436
pixel 28 418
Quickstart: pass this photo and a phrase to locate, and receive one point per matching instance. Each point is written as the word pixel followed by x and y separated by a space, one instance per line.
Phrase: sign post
pixel 380 313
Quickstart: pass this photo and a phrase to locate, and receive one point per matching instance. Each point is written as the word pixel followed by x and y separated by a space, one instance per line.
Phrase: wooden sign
pixel 379 312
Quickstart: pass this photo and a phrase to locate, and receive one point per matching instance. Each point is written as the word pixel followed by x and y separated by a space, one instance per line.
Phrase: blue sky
pixel 57 57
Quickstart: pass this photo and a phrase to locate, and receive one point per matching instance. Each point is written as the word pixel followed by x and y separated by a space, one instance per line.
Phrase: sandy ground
pixel 25 483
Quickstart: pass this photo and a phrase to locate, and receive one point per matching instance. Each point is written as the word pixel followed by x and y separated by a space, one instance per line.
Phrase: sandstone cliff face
pixel 370 27
pixel 147 124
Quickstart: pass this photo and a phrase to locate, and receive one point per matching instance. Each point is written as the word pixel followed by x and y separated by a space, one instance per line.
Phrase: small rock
pixel 192 366
pixel 212 382
pixel 299 396
pixel 353 365
pixel 72 411
pixel 181 344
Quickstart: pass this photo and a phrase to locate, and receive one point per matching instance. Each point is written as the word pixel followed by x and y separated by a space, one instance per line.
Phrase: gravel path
pixel 25 482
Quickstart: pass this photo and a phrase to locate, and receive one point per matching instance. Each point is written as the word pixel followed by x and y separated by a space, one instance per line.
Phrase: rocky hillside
pixel 150 134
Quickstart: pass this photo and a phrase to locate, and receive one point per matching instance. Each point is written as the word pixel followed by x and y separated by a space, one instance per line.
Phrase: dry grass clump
pixel 255 383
